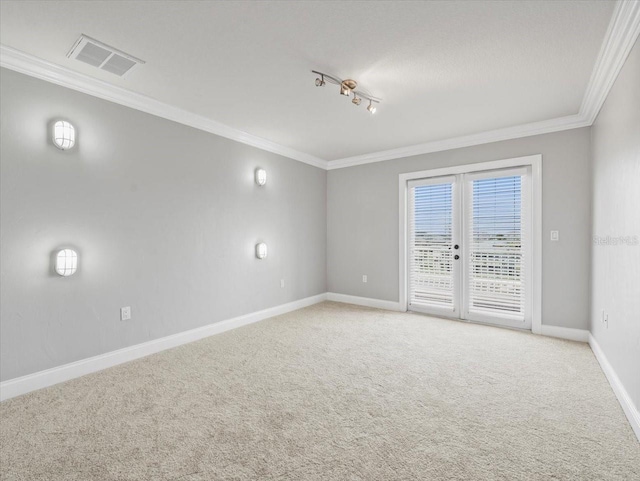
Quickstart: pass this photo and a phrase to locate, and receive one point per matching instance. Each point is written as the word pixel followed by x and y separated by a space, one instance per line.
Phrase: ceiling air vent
pixel 103 56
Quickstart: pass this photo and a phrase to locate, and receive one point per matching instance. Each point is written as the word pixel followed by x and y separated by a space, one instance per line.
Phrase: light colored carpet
pixel 331 392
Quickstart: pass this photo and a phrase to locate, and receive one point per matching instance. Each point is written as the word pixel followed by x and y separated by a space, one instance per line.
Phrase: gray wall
pixel 165 218
pixel 616 213
pixel 363 221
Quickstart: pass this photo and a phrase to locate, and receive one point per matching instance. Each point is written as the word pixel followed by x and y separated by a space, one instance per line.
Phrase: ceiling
pixel 443 69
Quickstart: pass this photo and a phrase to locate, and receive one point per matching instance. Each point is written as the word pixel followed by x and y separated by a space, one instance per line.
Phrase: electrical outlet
pixel 555 235
pixel 125 313
pixel 281 282
pixel 364 278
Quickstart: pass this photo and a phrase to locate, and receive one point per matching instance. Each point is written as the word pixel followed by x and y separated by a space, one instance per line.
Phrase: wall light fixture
pixel 261 176
pixel 64 135
pixel 66 262
pixel 261 250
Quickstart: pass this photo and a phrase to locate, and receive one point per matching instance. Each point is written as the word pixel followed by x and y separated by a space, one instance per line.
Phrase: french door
pixel 469 246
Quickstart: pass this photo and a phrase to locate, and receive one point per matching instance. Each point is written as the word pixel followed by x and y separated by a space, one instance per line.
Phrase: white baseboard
pixel 31 382
pixel 364 301
pixel 580 335
pixel 621 393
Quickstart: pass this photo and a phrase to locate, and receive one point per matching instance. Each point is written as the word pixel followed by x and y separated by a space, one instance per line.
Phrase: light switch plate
pixel 555 235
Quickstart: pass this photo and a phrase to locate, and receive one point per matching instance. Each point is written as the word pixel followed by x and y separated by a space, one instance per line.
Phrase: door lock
pixel 456 257
pixel 456 246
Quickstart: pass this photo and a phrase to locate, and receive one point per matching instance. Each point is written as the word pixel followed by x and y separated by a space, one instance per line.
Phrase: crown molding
pixel 621 35
pixel 24 63
pixel 516 132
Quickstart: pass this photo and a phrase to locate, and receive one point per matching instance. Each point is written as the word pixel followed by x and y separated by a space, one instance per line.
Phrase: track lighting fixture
pixel 348 87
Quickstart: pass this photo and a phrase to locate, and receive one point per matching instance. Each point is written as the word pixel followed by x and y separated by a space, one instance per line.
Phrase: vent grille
pixel 102 56
pixel 93 55
pixel 118 65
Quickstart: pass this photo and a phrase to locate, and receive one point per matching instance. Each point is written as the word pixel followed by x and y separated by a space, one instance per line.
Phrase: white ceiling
pixel 444 69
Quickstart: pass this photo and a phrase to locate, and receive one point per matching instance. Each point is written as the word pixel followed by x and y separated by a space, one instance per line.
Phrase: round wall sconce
pixel 64 135
pixel 261 176
pixel 261 250
pixel 66 262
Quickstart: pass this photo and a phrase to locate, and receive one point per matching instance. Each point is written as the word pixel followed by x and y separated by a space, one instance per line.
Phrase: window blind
pixel 431 281
pixel 495 272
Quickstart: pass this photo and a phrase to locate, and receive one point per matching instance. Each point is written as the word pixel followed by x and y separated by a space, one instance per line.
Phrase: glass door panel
pixel 433 272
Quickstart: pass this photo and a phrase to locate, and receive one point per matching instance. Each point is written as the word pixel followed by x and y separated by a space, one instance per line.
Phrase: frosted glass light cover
pixel 66 262
pixel 64 135
pixel 261 250
pixel 261 176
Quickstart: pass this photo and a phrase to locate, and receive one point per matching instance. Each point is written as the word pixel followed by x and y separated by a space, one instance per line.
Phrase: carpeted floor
pixel 331 392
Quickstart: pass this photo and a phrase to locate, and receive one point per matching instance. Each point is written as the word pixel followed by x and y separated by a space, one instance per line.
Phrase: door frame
pixel 535 162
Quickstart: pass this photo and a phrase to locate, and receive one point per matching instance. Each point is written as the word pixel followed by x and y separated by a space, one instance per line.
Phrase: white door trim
pixel 535 161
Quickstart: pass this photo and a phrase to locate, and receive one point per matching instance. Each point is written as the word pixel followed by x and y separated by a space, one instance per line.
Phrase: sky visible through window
pixel 435 216
pixel 496 207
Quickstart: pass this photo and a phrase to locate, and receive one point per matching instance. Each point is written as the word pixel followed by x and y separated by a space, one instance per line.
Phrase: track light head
pixel 356 100
pixel 347 86
pixel 320 81
pixel 371 108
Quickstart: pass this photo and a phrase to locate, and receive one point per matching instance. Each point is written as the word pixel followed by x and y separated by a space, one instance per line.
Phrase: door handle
pixel 456 246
